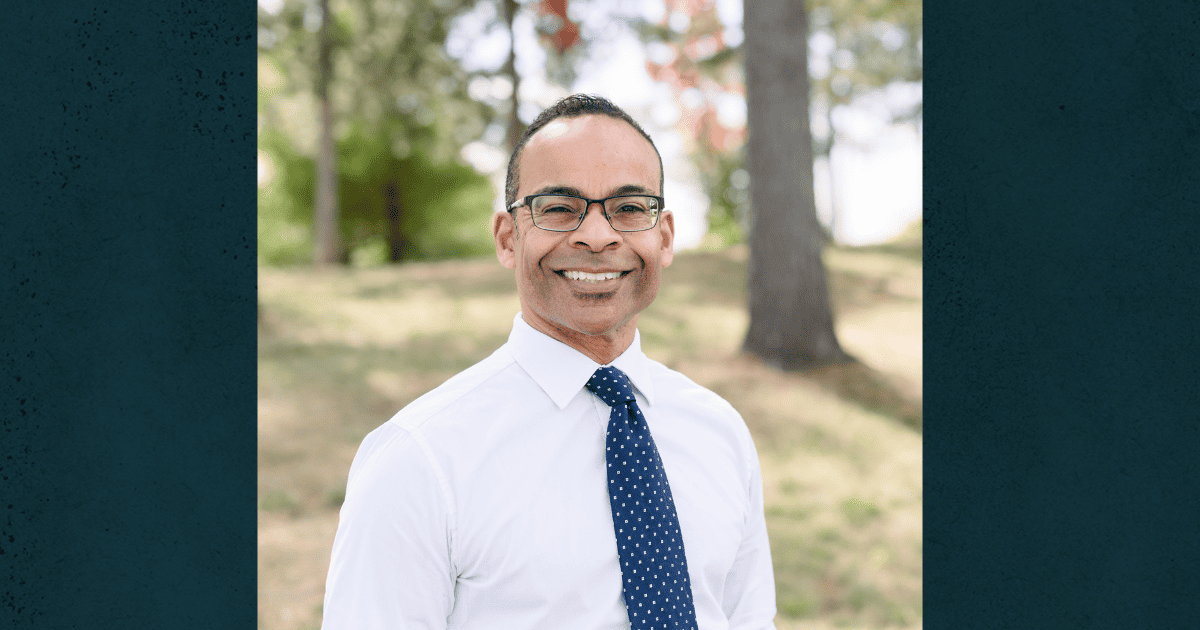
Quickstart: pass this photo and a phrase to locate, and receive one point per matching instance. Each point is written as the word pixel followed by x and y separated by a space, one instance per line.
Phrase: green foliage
pixel 285 204
pixel 877 42
pixel 402 116
pixel 444 205
pixel 728 186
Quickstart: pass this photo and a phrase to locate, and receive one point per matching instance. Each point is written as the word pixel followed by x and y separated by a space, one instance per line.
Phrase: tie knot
pixel 611 385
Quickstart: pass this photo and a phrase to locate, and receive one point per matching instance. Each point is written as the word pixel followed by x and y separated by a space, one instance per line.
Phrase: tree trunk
pixel 791 322
pixel 395 211
pixel 834 223
pixel 515 126
pixel 325 221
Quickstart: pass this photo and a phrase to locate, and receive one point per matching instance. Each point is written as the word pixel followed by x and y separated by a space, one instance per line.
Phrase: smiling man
pixel 566 481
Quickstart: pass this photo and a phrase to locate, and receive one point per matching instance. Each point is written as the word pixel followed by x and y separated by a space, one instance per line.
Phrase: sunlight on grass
pixel 342 350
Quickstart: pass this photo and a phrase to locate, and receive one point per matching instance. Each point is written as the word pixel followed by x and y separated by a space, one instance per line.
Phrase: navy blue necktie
pixel 654 575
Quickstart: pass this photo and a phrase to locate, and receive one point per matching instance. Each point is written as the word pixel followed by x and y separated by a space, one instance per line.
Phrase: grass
pixel 341 350
pixel 278 501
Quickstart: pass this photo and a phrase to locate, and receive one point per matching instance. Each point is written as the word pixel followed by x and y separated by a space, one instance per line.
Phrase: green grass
pixel 342 350
pixel 334 498
pixel 859 512
pixel 278 501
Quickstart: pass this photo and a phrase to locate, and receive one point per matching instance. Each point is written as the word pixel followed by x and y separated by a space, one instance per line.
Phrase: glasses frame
pixel 528 199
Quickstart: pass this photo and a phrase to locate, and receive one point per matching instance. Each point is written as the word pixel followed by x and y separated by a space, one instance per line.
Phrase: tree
pixel 791 321
pixel 401 113
pixel 858 49
pixel 515 127
pixel 328 247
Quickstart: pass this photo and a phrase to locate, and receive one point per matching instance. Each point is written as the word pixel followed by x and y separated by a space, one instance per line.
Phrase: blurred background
pixel 384 131
pixel 422 90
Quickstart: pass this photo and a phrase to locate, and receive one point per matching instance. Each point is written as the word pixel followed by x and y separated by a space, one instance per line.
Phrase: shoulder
pixel 677 389
pixel 476 384
pixel 477 387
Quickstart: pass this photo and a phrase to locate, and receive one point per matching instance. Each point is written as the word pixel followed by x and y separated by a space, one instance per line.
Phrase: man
pixel 567 481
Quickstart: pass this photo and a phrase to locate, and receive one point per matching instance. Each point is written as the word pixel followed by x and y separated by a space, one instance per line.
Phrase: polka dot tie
pixel 654 575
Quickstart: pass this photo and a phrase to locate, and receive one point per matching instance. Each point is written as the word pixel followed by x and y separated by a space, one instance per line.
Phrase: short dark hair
pixel 569 107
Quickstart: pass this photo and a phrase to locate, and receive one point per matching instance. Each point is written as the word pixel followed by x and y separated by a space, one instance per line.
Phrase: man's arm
pixel 391 566
pixel 749 600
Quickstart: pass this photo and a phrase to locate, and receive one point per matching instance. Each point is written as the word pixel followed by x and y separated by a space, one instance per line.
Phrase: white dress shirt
pixel 483 503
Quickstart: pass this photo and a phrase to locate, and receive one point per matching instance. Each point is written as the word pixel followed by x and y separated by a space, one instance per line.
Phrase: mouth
pixel 590 277
pixel 593 285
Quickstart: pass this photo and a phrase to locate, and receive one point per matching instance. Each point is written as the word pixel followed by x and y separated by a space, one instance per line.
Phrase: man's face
pixel 592 156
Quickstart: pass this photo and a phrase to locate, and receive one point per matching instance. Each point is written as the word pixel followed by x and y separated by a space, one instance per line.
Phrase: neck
pixel 603 348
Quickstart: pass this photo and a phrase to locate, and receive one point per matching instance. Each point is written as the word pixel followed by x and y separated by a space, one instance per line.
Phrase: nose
pixel 595 233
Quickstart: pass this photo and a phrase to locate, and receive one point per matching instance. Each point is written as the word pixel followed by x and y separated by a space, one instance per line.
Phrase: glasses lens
pixel 552 212
pixel 632 213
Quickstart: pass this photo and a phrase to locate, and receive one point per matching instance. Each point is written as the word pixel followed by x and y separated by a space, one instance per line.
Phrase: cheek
pixel 651 286
pixel 651 271
pixel 647 286
pixel 534 279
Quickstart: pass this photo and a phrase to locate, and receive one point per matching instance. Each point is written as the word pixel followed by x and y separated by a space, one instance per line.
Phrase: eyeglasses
pixel 564 213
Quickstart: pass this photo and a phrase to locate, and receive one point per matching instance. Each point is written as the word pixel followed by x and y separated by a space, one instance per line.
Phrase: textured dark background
pixel 127 388
pixel 1062 215
pixel 1062 190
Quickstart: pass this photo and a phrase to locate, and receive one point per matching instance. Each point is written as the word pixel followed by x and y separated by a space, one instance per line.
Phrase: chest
pixel 532 514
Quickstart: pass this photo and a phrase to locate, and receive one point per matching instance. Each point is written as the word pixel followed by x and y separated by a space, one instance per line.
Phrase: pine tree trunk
pixel 325 220
pixel 515 127
pixel 791 322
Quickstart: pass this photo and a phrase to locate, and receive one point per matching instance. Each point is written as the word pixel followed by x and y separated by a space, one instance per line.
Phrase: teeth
pixel 591 277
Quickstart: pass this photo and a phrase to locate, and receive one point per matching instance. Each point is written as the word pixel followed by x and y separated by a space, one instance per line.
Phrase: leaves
pixel 403 115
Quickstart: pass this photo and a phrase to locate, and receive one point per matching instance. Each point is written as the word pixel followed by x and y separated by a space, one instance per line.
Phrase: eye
pixel 553 204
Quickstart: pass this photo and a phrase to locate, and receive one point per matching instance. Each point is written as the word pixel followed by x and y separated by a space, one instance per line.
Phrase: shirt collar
pixel 562 371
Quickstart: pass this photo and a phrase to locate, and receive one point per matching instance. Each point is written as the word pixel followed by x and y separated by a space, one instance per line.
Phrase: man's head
pixel 569 107
pixel 593 151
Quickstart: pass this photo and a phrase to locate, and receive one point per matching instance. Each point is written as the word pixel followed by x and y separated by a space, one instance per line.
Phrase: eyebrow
pixel 628 189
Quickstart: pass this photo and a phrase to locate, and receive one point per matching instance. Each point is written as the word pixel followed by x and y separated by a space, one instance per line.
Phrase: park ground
pixel 341 350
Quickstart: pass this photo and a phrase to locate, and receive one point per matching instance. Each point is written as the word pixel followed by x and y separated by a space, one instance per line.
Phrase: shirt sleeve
pixel 749 598
pixel 391 567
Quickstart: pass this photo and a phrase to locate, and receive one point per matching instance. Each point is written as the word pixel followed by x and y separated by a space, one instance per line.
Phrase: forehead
pixel 594 153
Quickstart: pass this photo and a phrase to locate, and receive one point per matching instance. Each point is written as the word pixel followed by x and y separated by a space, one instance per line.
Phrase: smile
pixel 592 277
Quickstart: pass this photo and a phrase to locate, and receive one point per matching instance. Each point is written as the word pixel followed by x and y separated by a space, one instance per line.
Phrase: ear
pixel 666 226
pixel 504 231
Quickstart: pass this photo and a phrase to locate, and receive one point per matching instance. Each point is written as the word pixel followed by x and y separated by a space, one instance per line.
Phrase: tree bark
pixel 515 126
pixel 325 220
pixel 395 211
pixel 791 321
